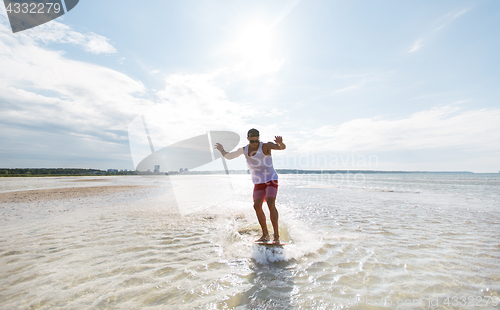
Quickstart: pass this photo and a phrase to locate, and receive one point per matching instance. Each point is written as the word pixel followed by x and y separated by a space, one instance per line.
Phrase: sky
pixel 358 85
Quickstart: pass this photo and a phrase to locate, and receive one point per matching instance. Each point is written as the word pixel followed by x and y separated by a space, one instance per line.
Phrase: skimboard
pixel 270 243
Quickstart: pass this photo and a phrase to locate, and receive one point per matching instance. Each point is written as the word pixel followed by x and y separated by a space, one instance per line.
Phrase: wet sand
pixel 64 193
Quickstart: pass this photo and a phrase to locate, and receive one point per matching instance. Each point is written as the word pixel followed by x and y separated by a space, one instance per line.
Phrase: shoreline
pixel 222 172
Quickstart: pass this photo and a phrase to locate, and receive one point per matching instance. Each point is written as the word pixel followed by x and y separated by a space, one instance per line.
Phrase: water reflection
pixel 272 285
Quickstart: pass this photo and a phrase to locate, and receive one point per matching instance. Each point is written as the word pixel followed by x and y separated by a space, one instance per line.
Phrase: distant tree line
pixel 27 172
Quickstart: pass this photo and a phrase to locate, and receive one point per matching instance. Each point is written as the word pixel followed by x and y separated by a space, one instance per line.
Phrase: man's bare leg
pixel 257 205
pixel 274 217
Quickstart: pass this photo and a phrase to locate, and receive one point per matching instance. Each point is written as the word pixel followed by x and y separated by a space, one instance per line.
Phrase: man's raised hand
pixel 219 147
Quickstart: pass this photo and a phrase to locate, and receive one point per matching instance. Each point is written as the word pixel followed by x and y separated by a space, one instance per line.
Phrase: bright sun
pixel 254 46
pixel 254 41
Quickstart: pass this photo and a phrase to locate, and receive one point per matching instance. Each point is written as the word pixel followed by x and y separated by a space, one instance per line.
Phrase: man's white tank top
pixel 261 166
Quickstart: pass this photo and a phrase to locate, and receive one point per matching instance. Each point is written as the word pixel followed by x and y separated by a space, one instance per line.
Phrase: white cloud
pixel 96 44
pixel 416 46
pixel 29 67
pixel 348 88
pixel 442 23
pixel 443 127
pixel 352 82
pixel 55 32
pixel 42 91
pixel 41 88
pixel 192 104
pixel 449 18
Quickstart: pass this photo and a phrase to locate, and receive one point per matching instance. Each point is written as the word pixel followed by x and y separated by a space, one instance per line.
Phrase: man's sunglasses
pixel 254 141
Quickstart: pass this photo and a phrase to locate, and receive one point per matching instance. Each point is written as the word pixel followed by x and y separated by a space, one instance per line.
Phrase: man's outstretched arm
pixel 277 145
pixel 228 155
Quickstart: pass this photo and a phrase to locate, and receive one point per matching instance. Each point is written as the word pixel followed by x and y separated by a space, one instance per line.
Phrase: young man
pixel 265 178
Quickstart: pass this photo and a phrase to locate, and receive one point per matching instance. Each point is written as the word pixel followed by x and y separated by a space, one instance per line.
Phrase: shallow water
pixel 373 241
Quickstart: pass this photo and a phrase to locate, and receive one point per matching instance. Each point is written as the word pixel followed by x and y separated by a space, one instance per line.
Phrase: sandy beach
pixel 65 193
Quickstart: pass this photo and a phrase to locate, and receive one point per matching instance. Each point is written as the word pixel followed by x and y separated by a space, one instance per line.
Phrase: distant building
pixel 157 168
pixel 113 171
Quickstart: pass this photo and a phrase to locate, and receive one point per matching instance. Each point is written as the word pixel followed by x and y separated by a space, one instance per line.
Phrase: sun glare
pixel 253 41
pixel 254 47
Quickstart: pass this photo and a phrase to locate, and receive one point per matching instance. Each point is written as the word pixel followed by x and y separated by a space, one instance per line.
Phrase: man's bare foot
pixel 264 238
pixel 276 240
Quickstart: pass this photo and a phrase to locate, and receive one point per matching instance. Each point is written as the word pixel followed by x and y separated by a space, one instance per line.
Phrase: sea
pixel 355 241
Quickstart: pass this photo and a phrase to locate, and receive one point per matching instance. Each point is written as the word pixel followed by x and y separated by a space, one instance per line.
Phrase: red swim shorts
pixel 263 190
